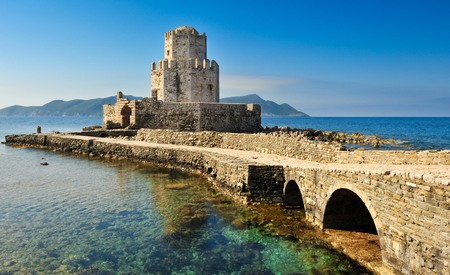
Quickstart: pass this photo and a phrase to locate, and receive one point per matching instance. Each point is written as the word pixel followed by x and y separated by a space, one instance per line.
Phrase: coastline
pixel 226 168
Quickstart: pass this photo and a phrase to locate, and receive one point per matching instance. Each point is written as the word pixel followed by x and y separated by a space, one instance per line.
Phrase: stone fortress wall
pixel 295 146
pixel 185 93
pixel 183 116
pixel 198 116
pixel 171 79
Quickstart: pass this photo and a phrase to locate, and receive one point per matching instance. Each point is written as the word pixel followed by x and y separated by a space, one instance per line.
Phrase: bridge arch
pixel 292 194
pixel 348 208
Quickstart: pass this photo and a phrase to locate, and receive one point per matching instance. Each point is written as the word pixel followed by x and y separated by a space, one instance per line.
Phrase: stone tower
pixel 185 74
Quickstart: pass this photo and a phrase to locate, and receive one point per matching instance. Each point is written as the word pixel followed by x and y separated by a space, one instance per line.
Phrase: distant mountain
pixel 77 107
pixel 268 108
pixel 93 107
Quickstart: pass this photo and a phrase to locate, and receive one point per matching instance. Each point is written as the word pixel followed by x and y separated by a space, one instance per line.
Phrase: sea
pixel 81 215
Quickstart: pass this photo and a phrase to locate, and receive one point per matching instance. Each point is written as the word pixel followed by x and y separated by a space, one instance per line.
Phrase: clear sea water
pixel 412 132
pixel 81 215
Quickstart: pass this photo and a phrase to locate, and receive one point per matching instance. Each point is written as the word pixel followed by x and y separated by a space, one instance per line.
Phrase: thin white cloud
pixel 249 83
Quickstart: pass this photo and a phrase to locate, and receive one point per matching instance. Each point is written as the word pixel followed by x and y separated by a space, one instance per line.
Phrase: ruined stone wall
pixel 293 145
pixel 426 157
pixel 112 114
pixel 274 143
pixel 109 114
pixel 240 118
pixel 157 81
pixel 198 116
pixel 167 115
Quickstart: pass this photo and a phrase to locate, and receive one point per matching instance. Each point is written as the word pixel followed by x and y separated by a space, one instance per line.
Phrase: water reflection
pixel 83 216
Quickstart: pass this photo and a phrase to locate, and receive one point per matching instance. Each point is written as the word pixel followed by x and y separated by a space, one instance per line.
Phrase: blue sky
pixel 326 58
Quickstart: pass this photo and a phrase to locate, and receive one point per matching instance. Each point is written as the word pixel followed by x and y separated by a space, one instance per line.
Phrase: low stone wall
pixel 426 157
pixel 292 144
pixel 243 181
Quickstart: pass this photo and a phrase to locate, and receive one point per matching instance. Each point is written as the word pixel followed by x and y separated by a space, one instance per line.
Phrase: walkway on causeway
pixel 438 174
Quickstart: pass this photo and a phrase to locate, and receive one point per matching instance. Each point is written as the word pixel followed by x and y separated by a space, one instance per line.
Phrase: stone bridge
pixel 407 205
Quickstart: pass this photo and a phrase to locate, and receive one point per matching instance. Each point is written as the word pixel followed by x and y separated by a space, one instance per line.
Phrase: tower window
pixel 168 52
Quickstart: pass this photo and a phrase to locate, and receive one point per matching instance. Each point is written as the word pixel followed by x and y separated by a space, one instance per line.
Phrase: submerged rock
pixel 177 186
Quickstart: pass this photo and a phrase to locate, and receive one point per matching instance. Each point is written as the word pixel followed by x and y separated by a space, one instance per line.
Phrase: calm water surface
pixel 91 216
pixel 412 132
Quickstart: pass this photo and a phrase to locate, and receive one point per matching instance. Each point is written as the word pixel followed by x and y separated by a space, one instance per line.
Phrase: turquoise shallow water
pixel 79 215
pixel 93 216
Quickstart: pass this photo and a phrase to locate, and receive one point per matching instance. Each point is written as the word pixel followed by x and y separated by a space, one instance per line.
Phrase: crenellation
pixel 185 46
pixel 206 64
pixel 214 65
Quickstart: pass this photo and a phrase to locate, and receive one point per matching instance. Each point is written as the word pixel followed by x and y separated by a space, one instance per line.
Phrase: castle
pixel 184 94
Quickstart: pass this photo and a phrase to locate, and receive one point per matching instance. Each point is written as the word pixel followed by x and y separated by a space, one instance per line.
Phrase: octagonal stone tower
pixel 185 74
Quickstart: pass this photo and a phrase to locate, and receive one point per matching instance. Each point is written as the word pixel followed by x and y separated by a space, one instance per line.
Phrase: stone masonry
pixel 185 74
pixel 184 94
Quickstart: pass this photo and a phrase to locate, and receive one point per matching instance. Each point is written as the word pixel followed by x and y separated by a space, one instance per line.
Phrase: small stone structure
pixel 184 94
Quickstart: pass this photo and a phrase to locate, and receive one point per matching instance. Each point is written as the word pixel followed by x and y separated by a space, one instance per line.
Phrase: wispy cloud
pixel 249 83
pixel 326 97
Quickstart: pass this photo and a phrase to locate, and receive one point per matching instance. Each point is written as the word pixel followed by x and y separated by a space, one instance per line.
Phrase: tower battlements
pixel 185 74
pixel 184 43
pixel 183 29
pixel 205 64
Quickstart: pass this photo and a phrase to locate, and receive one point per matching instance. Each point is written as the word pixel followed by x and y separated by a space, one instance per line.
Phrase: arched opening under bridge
pixel 292 195
pixel 346 211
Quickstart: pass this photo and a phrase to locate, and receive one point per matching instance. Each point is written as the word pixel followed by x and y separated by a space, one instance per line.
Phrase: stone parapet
pixel 290 146
pixel 295 146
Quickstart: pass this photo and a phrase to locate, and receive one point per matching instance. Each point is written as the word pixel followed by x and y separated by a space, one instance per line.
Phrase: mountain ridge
pixel 93 107
pixel 268 107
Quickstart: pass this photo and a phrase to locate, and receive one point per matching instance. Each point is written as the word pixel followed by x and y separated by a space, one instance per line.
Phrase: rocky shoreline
pixel 371 141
